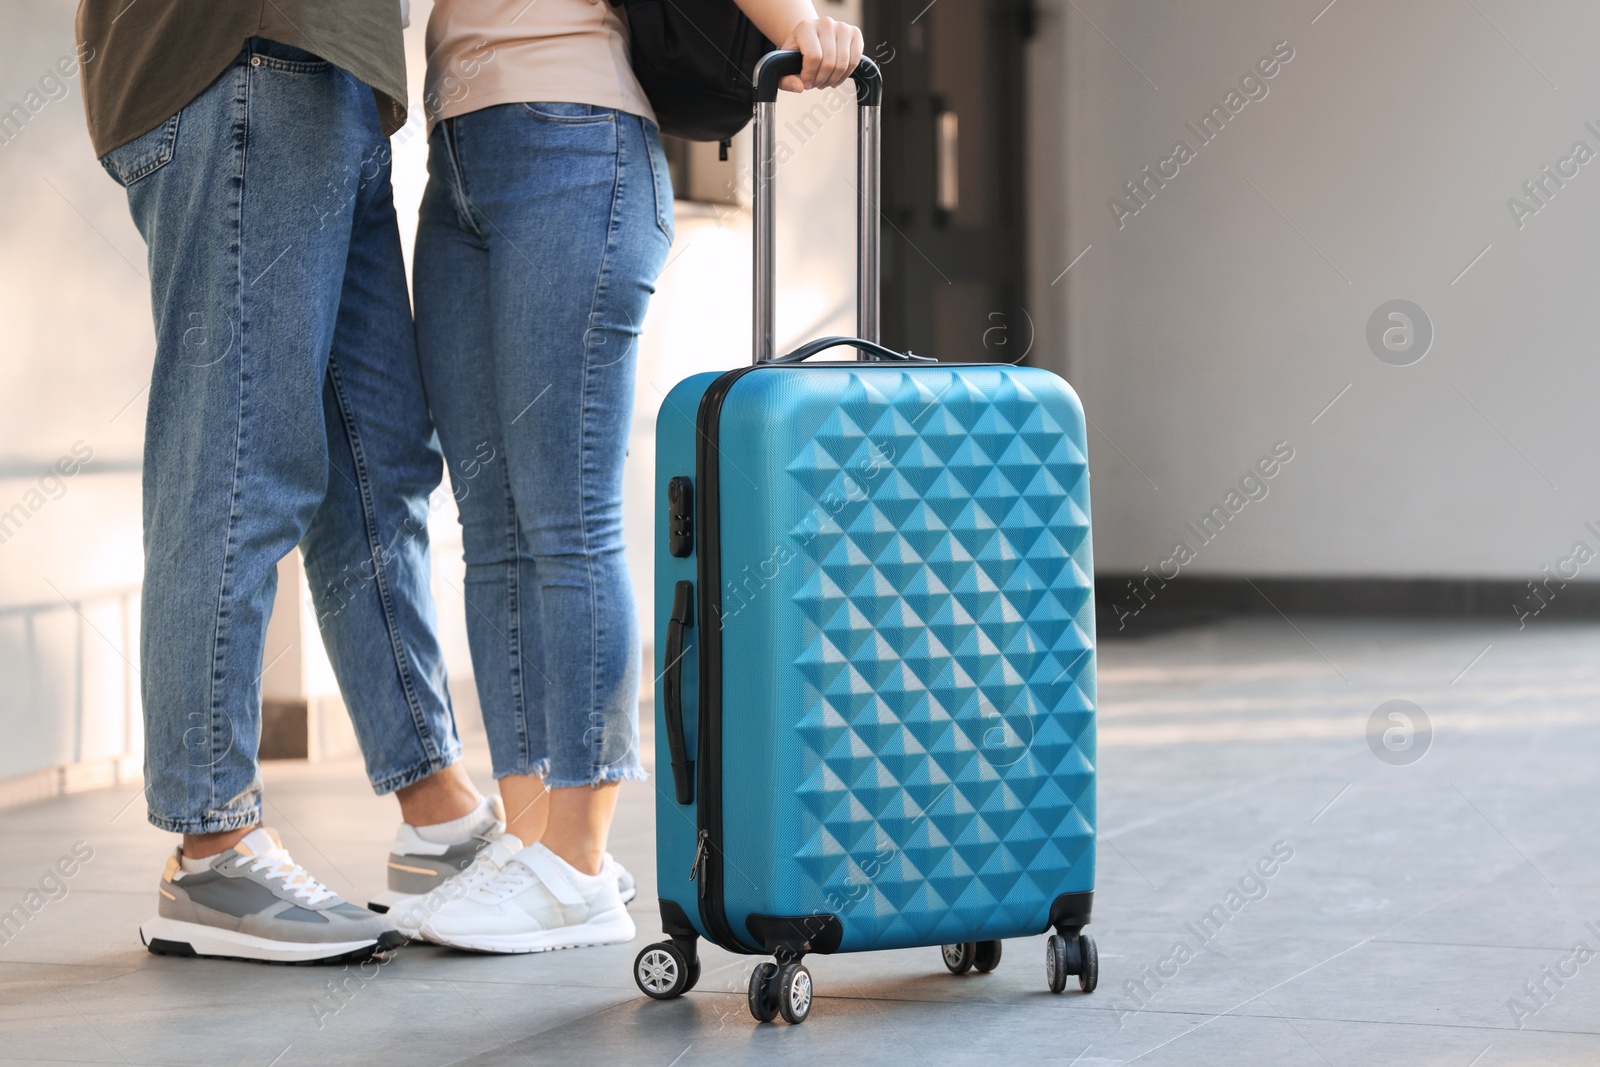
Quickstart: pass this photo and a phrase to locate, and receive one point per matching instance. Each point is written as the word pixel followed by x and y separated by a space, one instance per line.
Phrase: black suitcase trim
pixel 796 935
pixel 674 921
pixel 1069 912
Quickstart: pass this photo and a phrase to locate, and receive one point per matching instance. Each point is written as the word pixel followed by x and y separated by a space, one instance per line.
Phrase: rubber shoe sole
pixel 388 900
pixel 173 937
pixel 612 927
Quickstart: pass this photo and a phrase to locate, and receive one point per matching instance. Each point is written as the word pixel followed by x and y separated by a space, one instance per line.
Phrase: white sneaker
pixel 626 886
pixel 418 869
pixel 410 915
pixel 535 902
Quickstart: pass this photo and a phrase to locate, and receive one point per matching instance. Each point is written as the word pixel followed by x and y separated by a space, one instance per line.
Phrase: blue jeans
pixel 542 231
pixel 286 407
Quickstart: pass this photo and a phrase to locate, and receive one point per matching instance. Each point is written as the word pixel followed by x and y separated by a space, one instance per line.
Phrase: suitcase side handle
pixel 774 66
pixel 811 348
pixel 672 687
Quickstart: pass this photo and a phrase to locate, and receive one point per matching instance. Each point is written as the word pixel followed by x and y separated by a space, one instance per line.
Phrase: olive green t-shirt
pixel 144 60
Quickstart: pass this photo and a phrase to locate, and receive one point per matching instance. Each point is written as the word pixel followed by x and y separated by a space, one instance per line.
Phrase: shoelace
pixel 541 869
pixel 512 878
pixel 275 863
pixel 484 865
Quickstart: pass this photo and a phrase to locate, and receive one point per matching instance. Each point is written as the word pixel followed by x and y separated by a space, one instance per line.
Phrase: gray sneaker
pixel 417 867
pixel 255 903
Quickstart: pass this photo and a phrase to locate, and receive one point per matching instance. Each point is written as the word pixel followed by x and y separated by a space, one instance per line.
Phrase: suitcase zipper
pixel 699 857
pixel 707 868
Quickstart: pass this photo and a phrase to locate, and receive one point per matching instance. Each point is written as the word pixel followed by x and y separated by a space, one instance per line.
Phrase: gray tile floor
pixel 1418 901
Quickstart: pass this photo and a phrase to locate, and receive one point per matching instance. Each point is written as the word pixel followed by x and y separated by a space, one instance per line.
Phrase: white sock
pixel 196 866
pixel 458 830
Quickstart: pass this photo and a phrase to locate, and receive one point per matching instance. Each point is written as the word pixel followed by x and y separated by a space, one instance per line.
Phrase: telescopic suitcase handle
pixel 774 67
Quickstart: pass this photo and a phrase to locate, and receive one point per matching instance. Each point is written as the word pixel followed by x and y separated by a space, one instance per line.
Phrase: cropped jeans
pixel 286 407
pixel 542 230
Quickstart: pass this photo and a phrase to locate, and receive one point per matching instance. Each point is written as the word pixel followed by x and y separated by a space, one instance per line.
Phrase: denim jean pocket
pixel 569 114
pixel 144 155
pixel 275 55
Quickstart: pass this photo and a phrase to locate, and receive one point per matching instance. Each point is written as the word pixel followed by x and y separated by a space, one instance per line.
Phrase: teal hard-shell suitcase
pixel 875 696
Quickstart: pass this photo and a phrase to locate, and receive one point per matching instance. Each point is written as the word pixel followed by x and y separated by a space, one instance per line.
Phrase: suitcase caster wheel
pixel 1057 962
pixel 1089 971
pixel 1068 956
pixel 662 971
pixel 987 956
pixel 762 995
pixel 959 958
pixel 794 992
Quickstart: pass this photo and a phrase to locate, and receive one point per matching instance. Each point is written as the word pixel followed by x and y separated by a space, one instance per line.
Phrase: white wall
pixel 75 351
pixel 1227 313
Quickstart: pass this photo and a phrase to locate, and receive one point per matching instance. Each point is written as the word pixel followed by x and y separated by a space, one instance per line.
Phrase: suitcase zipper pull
pixel 699 854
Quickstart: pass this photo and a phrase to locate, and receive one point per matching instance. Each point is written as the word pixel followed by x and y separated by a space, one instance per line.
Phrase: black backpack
pixel 694 60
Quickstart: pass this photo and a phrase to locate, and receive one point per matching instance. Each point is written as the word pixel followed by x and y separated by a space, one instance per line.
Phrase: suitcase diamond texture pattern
pixel 947 665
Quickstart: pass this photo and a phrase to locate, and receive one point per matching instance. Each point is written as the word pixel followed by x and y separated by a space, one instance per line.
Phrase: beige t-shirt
pixel 487 52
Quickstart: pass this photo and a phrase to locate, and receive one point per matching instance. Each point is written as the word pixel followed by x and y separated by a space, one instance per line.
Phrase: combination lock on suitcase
pixel 875 705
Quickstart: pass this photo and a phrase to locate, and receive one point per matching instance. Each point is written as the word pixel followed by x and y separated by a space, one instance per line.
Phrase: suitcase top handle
pixel 811 348
pixel 774 66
